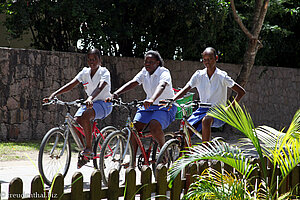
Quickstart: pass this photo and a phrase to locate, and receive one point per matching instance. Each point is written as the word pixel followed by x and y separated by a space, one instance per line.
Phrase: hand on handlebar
pixel 89 104
pixel 112 97
pixel 148 103
pixel 47 99
pixel 166 103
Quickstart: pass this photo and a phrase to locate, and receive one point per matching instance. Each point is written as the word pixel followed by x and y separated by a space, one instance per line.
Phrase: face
pixel 209 60
pixel 151 63
pixel 93 61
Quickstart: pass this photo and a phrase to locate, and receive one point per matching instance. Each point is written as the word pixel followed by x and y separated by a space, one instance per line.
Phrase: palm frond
pixel 282 149
pixel 241 120
pixel 212 184
pixel 214 150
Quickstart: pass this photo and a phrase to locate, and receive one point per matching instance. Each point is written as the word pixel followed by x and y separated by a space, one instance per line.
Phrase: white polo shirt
pixel 150 83
pixel 213 90
pixel 90 84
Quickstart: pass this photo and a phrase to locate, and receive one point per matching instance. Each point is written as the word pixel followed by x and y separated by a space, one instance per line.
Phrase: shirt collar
pixel 156 72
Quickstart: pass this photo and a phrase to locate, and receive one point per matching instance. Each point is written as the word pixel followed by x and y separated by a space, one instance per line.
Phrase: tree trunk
pixel 261 7
pixel 248 62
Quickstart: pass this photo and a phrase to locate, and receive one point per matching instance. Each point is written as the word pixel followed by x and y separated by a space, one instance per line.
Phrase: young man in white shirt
pixel 96 82
pixel 157 84
pixel 211 84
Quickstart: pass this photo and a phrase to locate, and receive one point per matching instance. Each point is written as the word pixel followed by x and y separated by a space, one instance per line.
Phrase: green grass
pixel 17 150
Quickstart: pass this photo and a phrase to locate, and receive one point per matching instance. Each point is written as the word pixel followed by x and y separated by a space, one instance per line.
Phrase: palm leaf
pixel 214 150
pixel 236 117
pixel 212 184
pixel 282 149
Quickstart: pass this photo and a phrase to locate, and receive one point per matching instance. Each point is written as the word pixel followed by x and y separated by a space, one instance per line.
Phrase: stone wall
pixel 27 76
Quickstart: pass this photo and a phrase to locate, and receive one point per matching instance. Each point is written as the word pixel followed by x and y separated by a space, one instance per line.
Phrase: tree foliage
pixel 177 29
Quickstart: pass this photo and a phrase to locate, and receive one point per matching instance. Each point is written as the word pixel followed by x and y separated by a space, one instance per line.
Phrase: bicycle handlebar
pixel 119 102
pixel 169 102
pixel 77 102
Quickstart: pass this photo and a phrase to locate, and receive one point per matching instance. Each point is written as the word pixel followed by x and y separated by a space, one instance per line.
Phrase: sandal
pixel 82 161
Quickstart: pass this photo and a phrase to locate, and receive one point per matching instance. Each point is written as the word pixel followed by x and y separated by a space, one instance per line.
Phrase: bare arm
pixel 126 87
pixel 240 93
pixel 89 101
pixel 182 92
pixel 63 89
pixel 158 91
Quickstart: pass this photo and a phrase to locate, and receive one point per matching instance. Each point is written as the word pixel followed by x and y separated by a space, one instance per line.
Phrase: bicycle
pixel 55 150
pixel 172 149
pixel 117 151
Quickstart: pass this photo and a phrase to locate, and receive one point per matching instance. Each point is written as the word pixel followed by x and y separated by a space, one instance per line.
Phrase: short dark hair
pixel 95 52
pixel 210 49
pixel 156 55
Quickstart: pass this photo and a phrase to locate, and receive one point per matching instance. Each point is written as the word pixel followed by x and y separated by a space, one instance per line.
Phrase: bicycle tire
pixel 156 150
pixel 51 164
pixel 171 147
pixel 99 142
pixel 110 156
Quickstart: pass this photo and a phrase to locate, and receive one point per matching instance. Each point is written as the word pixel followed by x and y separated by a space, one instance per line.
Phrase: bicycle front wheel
pixel 114 155
pixel 169 153
pixel 99 142
pixel 54 155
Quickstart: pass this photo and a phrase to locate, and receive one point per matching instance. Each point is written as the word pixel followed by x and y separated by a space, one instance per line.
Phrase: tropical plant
pixel 282 150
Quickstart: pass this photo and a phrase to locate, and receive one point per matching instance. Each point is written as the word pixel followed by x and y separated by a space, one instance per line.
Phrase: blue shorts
pixel 163 116
pixel 102 109
pixel 198 115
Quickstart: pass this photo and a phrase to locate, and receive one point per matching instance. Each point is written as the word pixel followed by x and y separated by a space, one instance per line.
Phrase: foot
pixel 82 161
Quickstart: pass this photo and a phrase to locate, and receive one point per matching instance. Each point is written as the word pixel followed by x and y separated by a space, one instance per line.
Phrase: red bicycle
pixel 55 150
pixel 117 151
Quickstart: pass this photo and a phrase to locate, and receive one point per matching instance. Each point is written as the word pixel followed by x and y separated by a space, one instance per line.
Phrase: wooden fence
pixel 147 189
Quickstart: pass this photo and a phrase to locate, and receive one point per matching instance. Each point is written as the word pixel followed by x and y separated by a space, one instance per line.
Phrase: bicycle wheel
pixel 113 156
pixel 156 150
pixel 54 155
pixel 99 142
pixel 169 153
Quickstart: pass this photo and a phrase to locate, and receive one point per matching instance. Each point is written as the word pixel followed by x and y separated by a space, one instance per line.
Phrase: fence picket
pixel 146 179
pixel 295 180
pixel 15 189
pixel 57 188
pixel 161 186
pixel 113 185
pixel 130 185
pixel 96 192
pixel 37 189
pixel 176 189
pixel 77 186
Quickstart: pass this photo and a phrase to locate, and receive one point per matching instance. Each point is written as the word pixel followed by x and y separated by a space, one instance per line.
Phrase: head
pixel 152 60
pixel 93 58
pixel 210 57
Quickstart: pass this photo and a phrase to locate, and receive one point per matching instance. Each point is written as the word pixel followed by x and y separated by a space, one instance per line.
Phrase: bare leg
pixel 157 132
pixel 85 122
pixel 139 127
pixel 206 128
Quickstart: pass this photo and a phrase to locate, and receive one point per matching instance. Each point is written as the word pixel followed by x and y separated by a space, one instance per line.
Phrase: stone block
pixel 12 103
pixel 25 131
pixel 3 131
pixel 13 132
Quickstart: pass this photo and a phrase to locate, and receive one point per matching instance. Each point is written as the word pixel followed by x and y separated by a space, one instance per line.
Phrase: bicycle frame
pixel 132 132
pixel 185 126
pixel 70 125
